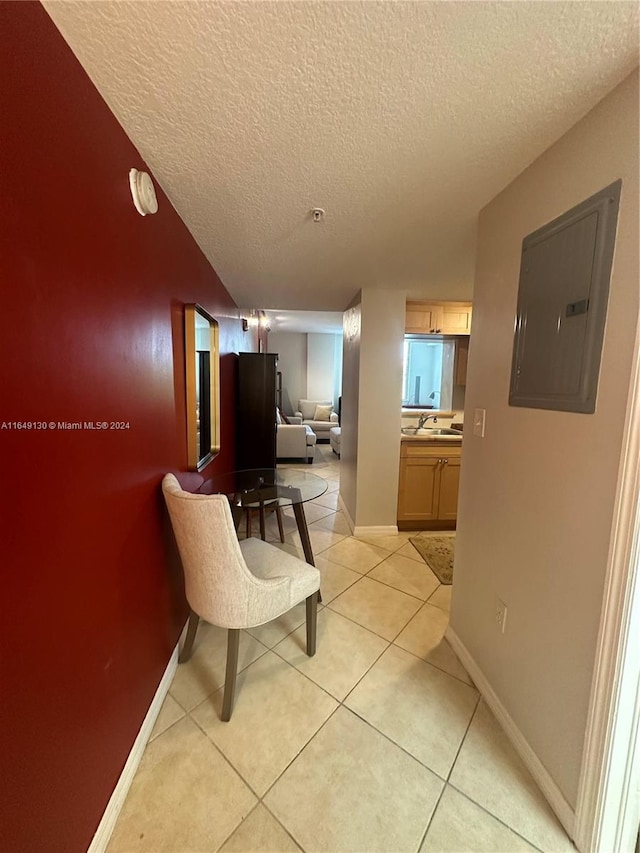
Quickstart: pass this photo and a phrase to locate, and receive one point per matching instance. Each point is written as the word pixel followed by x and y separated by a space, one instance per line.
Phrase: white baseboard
pixel 376 530
pixel 119 795
pixel 550 790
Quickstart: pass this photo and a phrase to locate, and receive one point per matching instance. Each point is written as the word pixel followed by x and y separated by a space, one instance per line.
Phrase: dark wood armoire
pixel 256 410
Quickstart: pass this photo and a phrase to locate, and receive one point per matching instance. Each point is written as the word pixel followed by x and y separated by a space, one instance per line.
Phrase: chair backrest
pixel 308 407
pixel 219 586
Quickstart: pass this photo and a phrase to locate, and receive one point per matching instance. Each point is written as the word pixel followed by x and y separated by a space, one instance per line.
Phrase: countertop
pixel 432 439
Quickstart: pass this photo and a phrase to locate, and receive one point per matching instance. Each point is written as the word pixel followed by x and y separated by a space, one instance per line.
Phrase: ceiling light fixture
pixel 264 322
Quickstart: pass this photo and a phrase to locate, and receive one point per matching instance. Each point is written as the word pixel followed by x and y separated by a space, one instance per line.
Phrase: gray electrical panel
pixel 562 306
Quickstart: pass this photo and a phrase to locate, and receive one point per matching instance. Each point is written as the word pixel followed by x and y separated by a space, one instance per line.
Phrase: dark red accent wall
pixel 91 329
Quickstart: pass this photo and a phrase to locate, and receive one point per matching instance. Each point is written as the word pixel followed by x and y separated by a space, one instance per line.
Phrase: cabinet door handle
pixel 445 461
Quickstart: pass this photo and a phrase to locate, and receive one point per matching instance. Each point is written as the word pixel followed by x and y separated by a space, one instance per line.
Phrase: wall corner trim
pixel 119 795
pixel 375 530
pixel 608 804
pixel 550 790
pixel 343 508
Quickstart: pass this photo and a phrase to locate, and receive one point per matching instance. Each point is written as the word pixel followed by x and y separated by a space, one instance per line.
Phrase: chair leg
pixel 279 520
pixel 185 654
pixel 233 642
pixel 312 621
pixel 263 531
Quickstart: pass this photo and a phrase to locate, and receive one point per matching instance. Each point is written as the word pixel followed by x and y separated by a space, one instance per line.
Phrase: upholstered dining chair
pixel 234 584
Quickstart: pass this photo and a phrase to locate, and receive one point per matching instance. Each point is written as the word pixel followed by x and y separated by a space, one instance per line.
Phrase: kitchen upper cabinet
pixel 421 318
pixel 438 318
pixel 428 487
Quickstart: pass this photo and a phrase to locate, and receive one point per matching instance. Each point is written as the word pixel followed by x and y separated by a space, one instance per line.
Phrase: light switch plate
pixel 478 422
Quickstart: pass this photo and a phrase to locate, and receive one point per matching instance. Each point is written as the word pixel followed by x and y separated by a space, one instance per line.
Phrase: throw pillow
pixel 285 419
pixel 278 416
pixel 322 413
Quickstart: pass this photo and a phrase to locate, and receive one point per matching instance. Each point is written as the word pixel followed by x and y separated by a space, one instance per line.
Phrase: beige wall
pixel 292 362
pixel 309 363
pixel 538 492
pixel 371 404
pixel 321 367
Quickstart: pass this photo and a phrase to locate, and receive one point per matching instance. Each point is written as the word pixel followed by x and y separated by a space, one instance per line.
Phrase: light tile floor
pixel 378 743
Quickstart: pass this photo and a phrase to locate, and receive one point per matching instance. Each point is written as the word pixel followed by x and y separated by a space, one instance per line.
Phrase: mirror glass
pixel 203 386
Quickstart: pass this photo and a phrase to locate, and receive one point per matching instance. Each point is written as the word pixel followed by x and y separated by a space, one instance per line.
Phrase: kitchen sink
pixel 435 432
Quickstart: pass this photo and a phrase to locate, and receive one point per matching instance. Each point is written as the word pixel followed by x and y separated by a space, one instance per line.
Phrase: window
pixel 427 380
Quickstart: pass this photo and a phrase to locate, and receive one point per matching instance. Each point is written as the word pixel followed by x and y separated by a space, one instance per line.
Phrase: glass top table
pixel 286 486
pixel 258 488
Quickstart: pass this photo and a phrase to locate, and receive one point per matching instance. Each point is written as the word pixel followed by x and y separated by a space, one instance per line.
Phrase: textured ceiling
pixel 400 119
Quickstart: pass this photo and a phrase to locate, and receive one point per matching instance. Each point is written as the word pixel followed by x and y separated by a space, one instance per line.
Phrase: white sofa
pixel 334 439
pixel 306 412
pixel 295 441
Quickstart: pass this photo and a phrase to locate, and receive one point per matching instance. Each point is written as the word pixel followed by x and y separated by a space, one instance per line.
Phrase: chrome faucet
pixel 424 418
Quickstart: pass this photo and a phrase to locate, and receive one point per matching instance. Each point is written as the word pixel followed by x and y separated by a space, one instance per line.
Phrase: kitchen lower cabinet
pixel 449 486
pixel 428 488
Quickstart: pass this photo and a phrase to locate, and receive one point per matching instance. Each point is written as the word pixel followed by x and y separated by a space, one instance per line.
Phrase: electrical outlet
pixel 478 422
pixel 501 615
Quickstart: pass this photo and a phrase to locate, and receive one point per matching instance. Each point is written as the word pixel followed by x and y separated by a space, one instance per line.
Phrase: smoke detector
pixel 143 192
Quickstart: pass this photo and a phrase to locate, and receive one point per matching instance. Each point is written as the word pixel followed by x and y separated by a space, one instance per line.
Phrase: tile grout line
pixel 391 586
pixel 382 583
pixel 389 643
pixel 302 748
pixel 227 761
pixel 236 828
pixel 297 843
pixel 464 736
pixel 470 798
pixel 431 817
pixel 495 817
pixel 453 764
pixel 392 642
pixel 341 704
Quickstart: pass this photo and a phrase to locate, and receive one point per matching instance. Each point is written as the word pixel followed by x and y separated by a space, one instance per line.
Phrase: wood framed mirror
pixel 202 347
